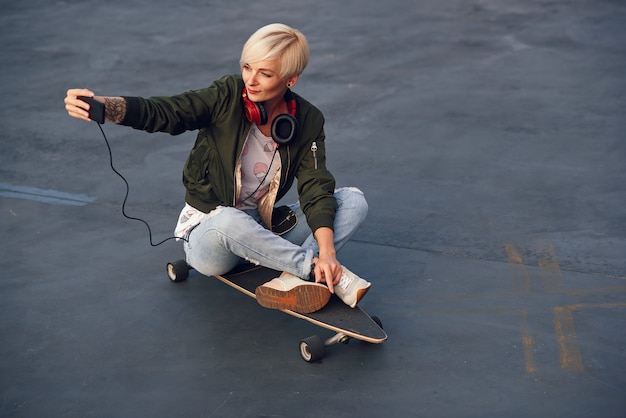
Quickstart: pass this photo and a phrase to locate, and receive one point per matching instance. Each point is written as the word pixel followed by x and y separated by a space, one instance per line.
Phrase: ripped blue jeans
pixel 231 236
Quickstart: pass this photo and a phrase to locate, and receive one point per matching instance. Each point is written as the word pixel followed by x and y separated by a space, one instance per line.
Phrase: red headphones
pixel 284 126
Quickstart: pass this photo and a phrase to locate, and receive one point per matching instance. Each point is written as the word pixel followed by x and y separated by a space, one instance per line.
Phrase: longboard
pixel 336 316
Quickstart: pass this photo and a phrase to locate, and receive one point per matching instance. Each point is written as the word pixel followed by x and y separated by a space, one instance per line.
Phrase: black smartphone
pixel 96 109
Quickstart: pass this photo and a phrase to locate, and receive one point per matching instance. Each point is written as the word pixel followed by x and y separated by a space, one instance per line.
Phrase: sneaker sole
pixel 302 299
pixel 360 293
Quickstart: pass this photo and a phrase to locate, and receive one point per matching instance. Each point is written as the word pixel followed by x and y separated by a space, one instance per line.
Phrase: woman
pixel 255 138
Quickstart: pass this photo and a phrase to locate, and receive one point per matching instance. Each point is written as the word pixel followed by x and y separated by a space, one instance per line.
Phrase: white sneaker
pixel 351 288
pixel 293 293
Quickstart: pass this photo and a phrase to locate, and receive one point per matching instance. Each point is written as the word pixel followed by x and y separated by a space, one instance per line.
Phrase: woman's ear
pixel 291 81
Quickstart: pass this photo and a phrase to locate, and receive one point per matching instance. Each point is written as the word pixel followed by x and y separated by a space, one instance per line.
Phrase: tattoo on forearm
pixel 115 109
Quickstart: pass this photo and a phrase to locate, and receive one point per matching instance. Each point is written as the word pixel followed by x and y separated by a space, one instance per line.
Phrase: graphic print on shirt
pixel 257 168
pixel 260 171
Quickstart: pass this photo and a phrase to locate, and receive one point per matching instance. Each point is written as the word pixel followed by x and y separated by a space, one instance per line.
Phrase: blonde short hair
pixel 277 42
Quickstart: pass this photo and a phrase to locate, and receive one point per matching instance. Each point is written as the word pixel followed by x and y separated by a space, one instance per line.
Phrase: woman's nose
pixel 252 80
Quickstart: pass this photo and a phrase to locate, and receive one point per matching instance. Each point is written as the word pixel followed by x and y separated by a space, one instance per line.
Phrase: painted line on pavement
pixel 44 195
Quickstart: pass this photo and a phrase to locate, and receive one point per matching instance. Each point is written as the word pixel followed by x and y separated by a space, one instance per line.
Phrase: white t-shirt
pixel 258 166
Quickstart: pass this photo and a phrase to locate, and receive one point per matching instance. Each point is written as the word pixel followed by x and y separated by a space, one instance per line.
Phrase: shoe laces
pixel 345 281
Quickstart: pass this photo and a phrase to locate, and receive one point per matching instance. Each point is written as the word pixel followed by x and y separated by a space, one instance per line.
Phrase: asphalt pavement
pixel 487 135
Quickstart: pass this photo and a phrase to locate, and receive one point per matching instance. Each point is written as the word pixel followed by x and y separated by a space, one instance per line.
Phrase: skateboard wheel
pixel 178 271
pixel 312 349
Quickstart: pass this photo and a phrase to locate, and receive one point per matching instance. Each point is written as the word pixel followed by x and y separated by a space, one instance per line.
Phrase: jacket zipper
pixel 236 166
pixel 314 149
pixel 288 164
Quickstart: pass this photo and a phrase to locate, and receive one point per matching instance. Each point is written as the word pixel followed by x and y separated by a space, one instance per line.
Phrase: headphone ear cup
pixel 255 112
pixel 284 128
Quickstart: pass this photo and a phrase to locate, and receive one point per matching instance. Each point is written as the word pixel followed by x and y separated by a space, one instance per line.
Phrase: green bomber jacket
pixel 210 173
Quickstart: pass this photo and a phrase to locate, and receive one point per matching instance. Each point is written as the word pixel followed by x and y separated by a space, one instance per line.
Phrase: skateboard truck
pixel 313 348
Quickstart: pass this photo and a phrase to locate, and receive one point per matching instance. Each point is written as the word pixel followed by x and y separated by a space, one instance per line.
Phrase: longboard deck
pixel 335 316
